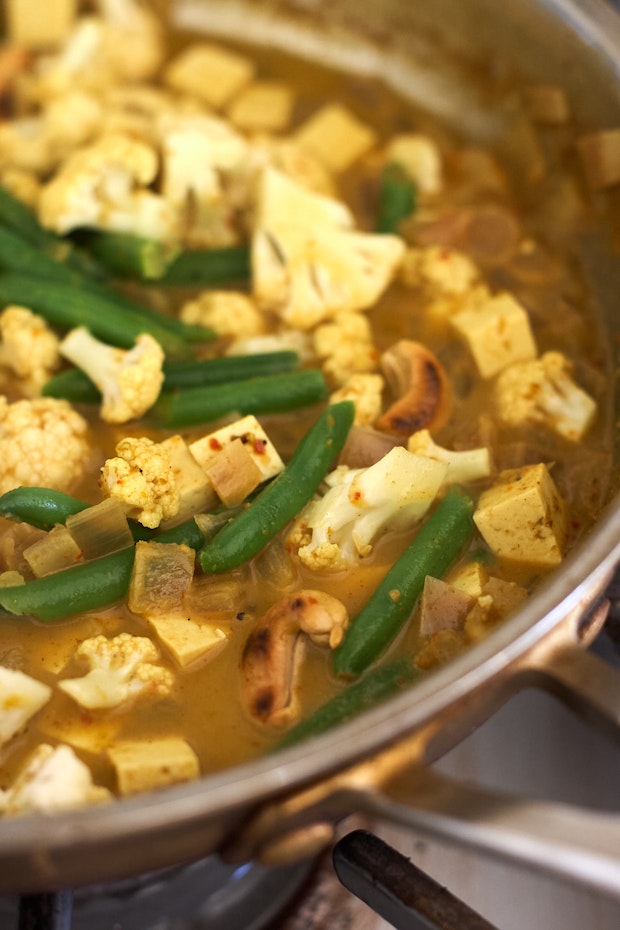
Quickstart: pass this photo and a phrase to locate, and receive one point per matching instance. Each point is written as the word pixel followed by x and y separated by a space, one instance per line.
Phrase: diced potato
pixel 196 493
pixel 523 518
pixel 251 433
pixel 497 333
pixel 20 698
pixel 234 474
pixel 264 106
pixel 336 137
pixel 39 25
pixel 210 72
pixel 189 640
pixel 142 765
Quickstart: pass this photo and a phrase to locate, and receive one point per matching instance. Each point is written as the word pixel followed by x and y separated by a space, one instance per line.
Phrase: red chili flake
pixel 259 446
pixel 215 444
pixel 357 496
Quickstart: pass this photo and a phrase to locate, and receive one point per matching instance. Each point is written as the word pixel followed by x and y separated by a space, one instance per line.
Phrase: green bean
pixel 267 394
pixel 128 256
pixel 17 255
pixel 22 221
pixel 209 267
pixel 269 512
pixel 142 259
pixel 437 544
pixel 20 256
pixel 397 198
pixel 379 684
pixel 83 587
pixel 66 306
pixel 74 385
pixel 45 508
pixel 40 507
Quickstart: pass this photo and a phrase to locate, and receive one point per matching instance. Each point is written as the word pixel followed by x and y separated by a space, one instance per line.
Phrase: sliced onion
pixel 365 446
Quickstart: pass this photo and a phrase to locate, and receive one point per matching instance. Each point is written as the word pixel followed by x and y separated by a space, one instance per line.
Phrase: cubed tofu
pixel 85 733
pixel 470 578
pixel 142 765
pixel 254 437
pixel 36 25
pixel 442 607
pixel 497 332
pixel 209 72
pixel 264 106
pixel 523 518
pixel 21 697
pixel 189 640
pixel 196 493
pixel 336 137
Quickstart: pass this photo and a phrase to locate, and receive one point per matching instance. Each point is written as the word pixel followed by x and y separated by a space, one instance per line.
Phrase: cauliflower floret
pixel 421 159
pixel 543 391
pixel 105 186
pixel 440 271
pixel 307 261
pixel 24 185
pixel 53 779
pixel 468 465
pixel 129 379
pixel 28 346
pixel 365 391
pixel 345 346
pixel 205 177
pixel 43 441
pixel 229 313
pixel 123 43
pixel 121 669
pixel 295 162
pixel 20 698
pixel 360 504
pixel 141 477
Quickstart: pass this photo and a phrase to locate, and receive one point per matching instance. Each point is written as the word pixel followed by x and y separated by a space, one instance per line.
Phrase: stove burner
pixel 206 895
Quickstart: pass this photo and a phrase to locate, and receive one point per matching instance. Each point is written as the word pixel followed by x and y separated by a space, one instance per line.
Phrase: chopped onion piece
pixel 365 446
pixel 100 529
pixel 275 566
pixel 161 577
pixel 55 551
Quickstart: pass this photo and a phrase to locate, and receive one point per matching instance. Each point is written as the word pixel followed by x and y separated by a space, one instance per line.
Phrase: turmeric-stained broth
pixel 204 706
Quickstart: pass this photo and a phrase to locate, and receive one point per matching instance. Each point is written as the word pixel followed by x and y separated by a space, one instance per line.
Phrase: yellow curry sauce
pixel 521 240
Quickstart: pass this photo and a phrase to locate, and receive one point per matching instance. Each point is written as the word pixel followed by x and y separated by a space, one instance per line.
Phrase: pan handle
pixel 398 785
